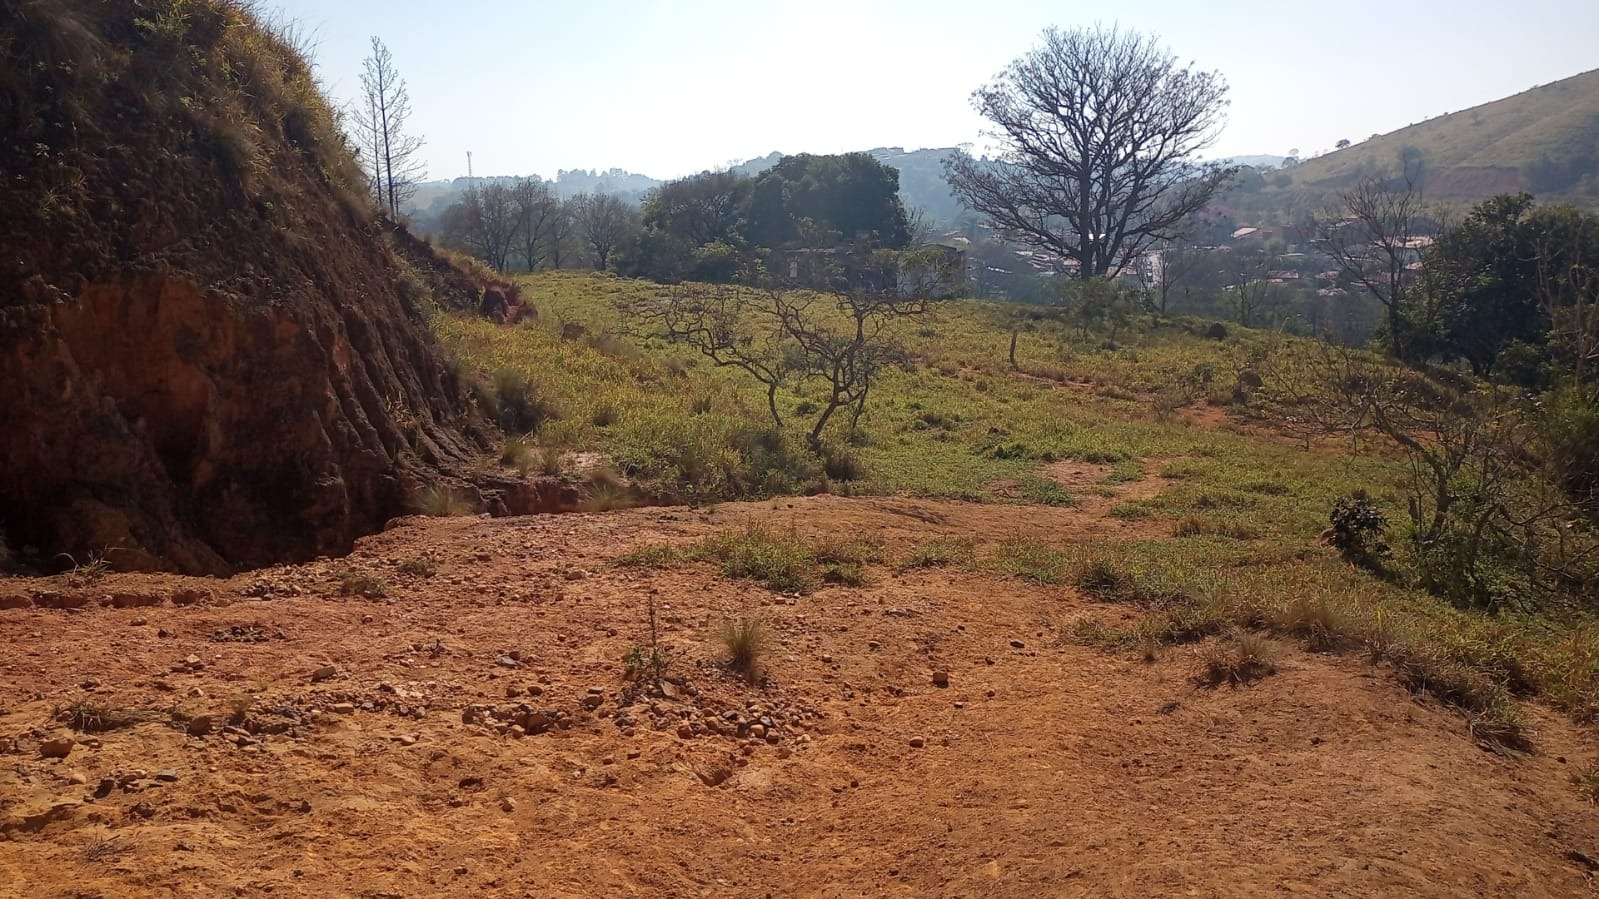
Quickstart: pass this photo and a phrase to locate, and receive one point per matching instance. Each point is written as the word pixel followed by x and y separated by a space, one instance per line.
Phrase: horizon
pixel 563 106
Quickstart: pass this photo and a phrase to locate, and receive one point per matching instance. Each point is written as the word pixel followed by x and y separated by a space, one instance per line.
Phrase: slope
pixel 213 357
pixel 1544 140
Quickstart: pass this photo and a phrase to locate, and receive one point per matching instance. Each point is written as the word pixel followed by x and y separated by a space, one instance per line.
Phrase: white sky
pixel 669 88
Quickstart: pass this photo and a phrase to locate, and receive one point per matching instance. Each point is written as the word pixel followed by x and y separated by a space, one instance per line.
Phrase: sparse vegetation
pixel 745 640
pixel 942 552
pixel 1237 659
pixel 352 582
pixel 423 566
pixel 440 501
pixel 92 716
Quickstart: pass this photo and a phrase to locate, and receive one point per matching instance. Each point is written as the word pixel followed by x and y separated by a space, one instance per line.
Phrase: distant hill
pixel 1544 140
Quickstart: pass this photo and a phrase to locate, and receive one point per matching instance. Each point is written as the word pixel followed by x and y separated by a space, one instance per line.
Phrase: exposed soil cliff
pixel 211 354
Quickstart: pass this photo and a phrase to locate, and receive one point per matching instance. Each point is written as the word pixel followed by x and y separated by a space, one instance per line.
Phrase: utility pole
pixel 469 165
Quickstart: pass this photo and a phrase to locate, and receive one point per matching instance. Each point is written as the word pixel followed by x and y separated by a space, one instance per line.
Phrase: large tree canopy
pixel 1100 130
pixel 716 226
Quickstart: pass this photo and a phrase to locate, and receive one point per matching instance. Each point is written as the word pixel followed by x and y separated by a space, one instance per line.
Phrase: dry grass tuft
pixel 745 640
pixel 1237 660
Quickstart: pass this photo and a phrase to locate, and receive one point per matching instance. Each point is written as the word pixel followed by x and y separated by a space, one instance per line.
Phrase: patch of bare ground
pixel 468 729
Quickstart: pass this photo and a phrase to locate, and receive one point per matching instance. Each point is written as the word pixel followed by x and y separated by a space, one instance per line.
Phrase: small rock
pixel 507 662
pixel 344 708
pixel 918 742
pixel 1017 644
pixel 323 673
pixel 685 731
pixel 873 644
pixel 75 778
pixel 592 702
pixel 535 690
pixel 56 748
pixel 185 846
pixel 758 731
pixel 940 678
pixel 168 776
pixel 406 739
pixel 507 804
pixel 200 725
pixel 139 622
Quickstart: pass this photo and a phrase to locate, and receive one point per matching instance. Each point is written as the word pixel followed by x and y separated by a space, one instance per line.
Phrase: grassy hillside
pixel 1222 532
pixel 1545 140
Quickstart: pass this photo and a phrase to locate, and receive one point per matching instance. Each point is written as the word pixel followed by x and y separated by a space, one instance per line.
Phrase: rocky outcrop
pixel 212 355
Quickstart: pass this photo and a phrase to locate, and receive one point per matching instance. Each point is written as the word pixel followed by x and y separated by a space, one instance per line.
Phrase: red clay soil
pixel 366 758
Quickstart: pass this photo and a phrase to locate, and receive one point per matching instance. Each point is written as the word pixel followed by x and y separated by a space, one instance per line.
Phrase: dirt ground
pixel 268 736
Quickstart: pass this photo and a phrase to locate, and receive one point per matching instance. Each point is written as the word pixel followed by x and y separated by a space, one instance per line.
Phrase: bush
pixel 519 406
pixel 1216 331
pixel 1358 529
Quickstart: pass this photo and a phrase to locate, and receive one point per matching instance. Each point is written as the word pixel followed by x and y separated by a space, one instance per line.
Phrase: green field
pixel 1243 501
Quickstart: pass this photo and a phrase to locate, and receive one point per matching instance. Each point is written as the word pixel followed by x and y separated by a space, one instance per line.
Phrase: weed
pixel 1030 560
pixel 91 717
pixel 941 552
pixel 1237 660
pixel 781 561
pixel 644 666
pixel 651 555
pixel 1201 526
pixel 358 583
pixel 419 566
pixel 1587 783
pixel 103 848
pixel 607 491
pixel 745 640
pixel 440 501
pixel 1323 625
pixel 1104 580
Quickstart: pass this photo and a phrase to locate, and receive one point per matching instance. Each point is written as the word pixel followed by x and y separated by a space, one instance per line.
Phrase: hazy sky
pixel 669 88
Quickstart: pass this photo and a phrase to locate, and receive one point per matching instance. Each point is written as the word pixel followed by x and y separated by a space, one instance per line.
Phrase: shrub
pixel 745 640
pixel 1357 531
pixel 520 407
pixel 841 464
pixel 1216 331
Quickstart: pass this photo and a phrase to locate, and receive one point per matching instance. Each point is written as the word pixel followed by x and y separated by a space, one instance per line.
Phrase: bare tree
pixel 1170 272
pixel 1252 291
pixel 392 153
pixel 837 343
pixel 486 223
pixel 604 221
pixel 1100 130
pixel 1567 269
pixel 1369 232
pixel 537 210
